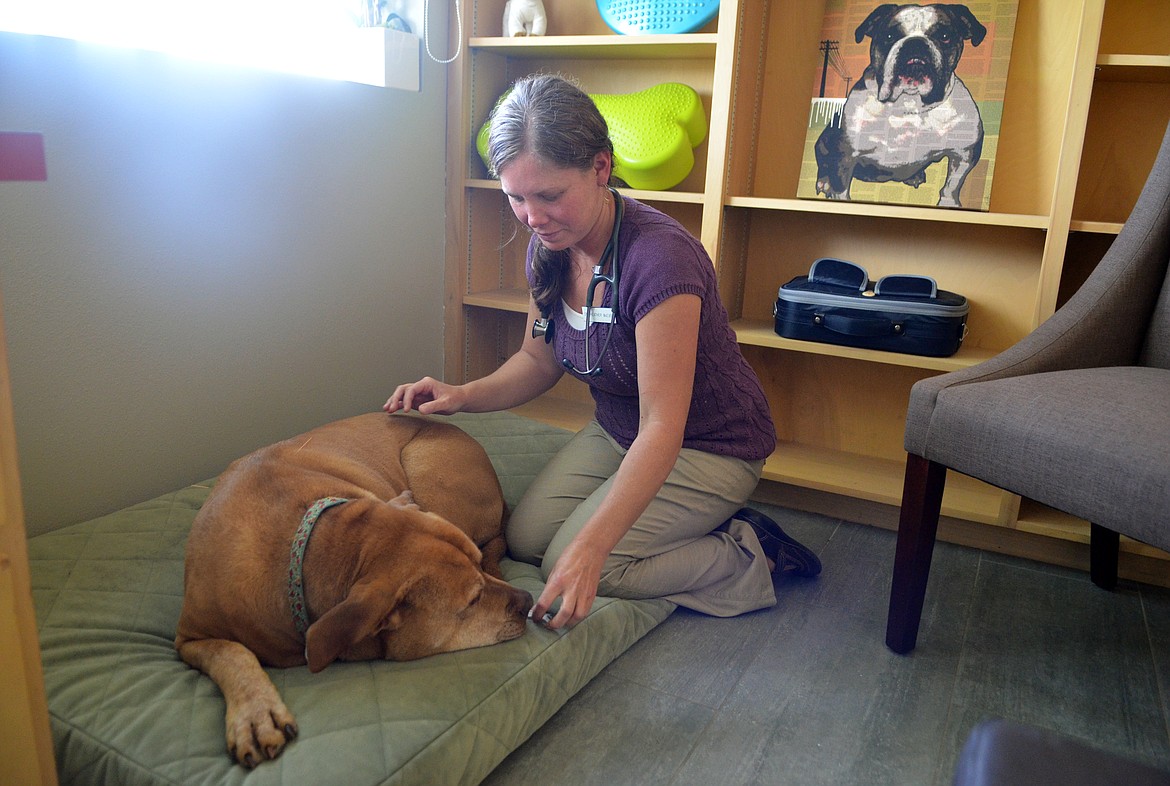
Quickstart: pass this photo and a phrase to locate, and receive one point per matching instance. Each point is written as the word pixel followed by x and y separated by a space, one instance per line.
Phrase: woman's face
pixel 563 207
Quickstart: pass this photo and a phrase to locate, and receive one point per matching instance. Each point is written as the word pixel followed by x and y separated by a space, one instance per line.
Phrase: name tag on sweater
pixel 599 316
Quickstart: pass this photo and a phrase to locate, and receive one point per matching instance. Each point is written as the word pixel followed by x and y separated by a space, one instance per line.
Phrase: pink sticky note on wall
pixel 22 156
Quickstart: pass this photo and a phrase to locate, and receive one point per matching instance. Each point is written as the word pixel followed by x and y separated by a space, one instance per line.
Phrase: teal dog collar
pixel 296 563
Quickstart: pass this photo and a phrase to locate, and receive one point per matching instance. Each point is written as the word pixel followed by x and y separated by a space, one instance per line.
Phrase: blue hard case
pixel 836 303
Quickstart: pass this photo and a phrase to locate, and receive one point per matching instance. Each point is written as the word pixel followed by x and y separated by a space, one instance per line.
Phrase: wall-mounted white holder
pixel 386 58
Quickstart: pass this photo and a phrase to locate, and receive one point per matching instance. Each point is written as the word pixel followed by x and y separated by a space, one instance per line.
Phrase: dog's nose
pixel 520 602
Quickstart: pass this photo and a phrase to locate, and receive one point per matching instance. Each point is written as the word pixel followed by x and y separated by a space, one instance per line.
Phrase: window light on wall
pixel 321 38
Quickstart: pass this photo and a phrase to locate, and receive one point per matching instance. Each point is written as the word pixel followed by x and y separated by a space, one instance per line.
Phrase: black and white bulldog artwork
pixel 909 109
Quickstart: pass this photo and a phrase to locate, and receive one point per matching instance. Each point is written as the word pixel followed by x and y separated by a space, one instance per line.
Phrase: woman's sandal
pixel 787 555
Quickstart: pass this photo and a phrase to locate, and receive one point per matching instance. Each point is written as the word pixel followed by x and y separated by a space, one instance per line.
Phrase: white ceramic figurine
pixel 524 17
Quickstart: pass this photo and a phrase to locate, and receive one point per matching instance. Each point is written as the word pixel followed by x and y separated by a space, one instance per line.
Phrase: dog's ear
pixel 972 27
pixel 370 607
pixel 877 16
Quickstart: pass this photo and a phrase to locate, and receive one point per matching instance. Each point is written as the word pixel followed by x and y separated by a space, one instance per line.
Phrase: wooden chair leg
pixel 1104 549
pixel 917 528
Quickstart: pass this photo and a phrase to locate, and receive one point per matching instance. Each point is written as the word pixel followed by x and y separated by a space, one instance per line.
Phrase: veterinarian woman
pixel 646 500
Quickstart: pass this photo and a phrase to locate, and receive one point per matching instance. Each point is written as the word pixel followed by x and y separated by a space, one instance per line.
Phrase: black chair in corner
pixel 1076 415
pixel 1006 753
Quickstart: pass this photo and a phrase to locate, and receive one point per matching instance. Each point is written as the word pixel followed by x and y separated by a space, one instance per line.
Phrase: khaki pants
pixel 680 549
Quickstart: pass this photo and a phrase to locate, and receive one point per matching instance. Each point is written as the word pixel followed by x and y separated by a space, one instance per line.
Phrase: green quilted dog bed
pixel 125 710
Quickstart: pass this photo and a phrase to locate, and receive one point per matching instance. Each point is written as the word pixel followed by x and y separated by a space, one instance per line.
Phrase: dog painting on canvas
pixel 910 109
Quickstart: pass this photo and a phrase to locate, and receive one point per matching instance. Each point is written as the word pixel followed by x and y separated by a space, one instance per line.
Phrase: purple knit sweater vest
pixel 729 413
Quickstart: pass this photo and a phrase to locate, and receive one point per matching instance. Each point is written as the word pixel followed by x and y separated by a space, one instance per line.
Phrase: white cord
pixel 427 38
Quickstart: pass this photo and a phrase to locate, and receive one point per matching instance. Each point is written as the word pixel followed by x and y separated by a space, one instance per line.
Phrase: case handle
pixel 907 286
pixel 839 273
pixel 852 326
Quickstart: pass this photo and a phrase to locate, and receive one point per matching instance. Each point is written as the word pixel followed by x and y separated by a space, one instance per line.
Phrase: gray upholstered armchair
pixel 1076 415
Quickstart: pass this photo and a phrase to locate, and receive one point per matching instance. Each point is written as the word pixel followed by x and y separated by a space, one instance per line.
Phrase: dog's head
pixel 914 48
pixel 418 590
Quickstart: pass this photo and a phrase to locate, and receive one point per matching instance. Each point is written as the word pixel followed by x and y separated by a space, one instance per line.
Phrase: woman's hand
pixel 429 396
pixel 574 580
pixel 529 373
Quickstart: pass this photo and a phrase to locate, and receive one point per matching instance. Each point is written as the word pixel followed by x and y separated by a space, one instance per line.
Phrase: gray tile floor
pixel 807 693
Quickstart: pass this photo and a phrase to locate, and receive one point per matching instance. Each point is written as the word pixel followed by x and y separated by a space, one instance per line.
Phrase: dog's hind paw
pixel 916 179
pixel 404 500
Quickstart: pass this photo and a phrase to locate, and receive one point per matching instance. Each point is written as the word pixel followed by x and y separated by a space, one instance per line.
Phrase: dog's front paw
pixel 258 732
pixel 824 186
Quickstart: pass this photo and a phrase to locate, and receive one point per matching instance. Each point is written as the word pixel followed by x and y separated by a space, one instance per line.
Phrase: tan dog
pixel 393 569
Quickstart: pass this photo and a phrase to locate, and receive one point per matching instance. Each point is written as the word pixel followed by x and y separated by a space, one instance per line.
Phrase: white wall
pixel 219 259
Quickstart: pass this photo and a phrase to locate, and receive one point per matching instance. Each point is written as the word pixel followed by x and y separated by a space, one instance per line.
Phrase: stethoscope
pixel 547 328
